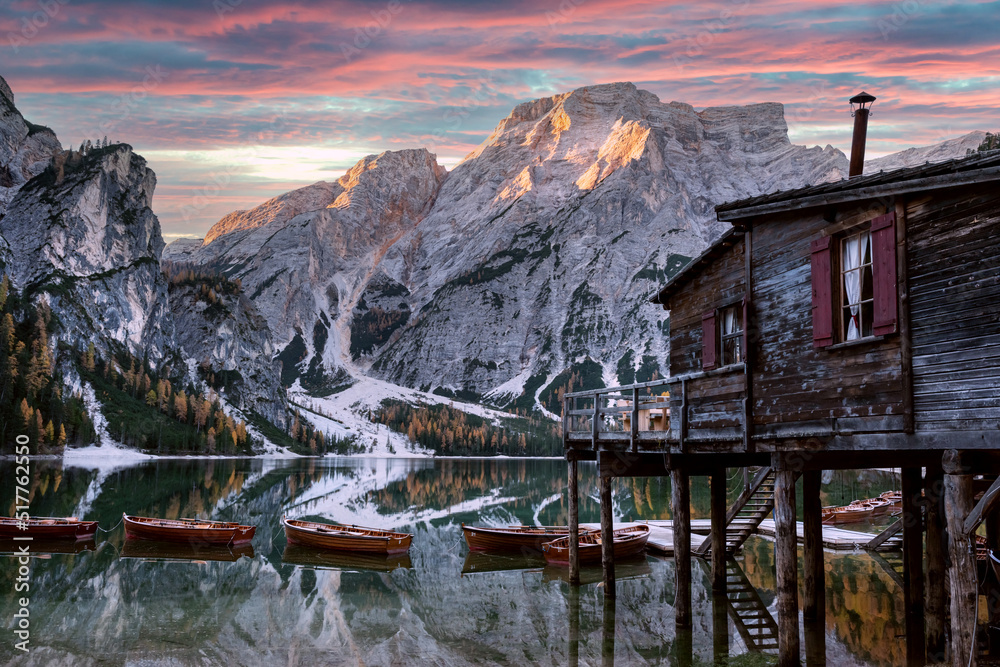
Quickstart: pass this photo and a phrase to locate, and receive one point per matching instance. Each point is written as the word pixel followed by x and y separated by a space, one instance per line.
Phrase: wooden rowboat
pixel 190 531
pixel 853 513
pixel 526 540
pixel 894 498
pixel 627 542
pixel 338 537
pixel 48 528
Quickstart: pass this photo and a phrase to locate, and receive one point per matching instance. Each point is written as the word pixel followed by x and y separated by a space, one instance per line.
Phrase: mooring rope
pixel 111 529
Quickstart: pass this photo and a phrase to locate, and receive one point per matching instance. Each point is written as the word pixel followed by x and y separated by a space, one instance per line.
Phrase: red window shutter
pixel 708 345
pixel 822 293
pixel 884 273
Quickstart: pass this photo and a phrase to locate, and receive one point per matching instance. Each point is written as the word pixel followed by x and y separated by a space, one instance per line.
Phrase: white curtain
pixel 729 321
pixel 855 249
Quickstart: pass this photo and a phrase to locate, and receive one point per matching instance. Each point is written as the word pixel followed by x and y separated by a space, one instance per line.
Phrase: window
pixel 854 283
pixel 731 334
pixel 856 289
pixel 723 336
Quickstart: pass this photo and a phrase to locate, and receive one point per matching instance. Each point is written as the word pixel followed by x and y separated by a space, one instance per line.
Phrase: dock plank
pixel 834 538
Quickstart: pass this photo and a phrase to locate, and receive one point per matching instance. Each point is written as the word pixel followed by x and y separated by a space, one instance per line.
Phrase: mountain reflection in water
pixel 117 603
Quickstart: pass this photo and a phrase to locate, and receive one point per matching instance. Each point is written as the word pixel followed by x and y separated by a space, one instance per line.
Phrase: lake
pixel 114 603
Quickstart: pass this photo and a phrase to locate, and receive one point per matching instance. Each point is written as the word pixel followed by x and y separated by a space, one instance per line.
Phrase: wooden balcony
pixel 662 416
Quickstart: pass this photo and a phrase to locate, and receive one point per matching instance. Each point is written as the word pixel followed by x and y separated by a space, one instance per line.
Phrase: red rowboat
pixel 527 540
pixel 48 528
pixel 338 537
pixel 894 498
pixel 627 542
pixel 191 531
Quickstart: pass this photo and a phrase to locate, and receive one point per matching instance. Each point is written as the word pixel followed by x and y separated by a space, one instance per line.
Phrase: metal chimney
pixel 864 102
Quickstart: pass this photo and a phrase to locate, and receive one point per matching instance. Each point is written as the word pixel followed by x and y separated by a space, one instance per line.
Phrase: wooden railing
pixel 621 413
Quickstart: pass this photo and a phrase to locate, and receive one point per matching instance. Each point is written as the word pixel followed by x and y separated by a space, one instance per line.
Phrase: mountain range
pixel 523 270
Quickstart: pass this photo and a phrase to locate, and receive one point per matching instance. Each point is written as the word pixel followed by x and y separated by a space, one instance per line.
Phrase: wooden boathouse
pixel 848 325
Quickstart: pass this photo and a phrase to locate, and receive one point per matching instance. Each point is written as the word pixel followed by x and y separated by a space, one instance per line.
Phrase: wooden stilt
pixel 787 562
pixel 913 565
pixel 814 573
pixel 681 507
pixel 962 569
pixel 936 607
pixel 607 538
pixel 574 524
pixel 719 509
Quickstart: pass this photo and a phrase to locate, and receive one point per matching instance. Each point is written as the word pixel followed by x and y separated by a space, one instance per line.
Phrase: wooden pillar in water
pixel 607 538
pixel 787 564
pixel 936 600
pixel 719 510
pixel 962 566
pixel 574 524
pixel 913 565
pixel 814 573
pixel 681 506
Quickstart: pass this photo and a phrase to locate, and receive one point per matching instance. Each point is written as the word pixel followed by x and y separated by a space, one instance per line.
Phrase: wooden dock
pixel 661 535
pixel 835 539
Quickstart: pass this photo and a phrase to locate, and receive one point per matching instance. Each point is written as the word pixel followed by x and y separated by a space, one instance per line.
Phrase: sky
pixel 235 101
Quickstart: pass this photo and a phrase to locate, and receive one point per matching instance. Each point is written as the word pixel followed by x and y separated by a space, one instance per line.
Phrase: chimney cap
pixel 862 98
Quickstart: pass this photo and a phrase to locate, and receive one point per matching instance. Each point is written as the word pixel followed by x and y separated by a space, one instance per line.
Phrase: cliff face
pixel 545 243
pixel 78 232
pixel 537 252
pixel 25 148
pixel 230 341
pixel 83 233
pixel 307 273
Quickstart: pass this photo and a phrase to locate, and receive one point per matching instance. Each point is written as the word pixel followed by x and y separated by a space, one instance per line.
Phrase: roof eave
pixel 719 246
pixel 853 194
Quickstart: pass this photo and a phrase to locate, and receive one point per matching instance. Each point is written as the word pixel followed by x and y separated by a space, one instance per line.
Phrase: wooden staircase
pixel 753 506
pixel 890 539
pixel 749 613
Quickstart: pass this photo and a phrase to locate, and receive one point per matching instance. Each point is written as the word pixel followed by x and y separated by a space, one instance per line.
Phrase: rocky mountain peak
pixel 390 180
pixel 25 148
pixel 376 176
pixel 914 157
pixel 278 210
pixel 83 231
pixel 6 94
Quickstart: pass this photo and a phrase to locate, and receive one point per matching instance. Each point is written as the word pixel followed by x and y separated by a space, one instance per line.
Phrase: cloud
pixel 346 78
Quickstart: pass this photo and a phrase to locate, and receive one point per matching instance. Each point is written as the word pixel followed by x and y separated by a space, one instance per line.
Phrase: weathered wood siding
pixel 954 278
pixel 798 389
pixel 715 403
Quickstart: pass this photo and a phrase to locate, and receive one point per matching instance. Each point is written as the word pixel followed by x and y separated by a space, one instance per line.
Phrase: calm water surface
pixel 114 603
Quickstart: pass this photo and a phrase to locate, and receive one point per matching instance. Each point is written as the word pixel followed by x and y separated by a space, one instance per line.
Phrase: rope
pixel 975 629
pixel 116 526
